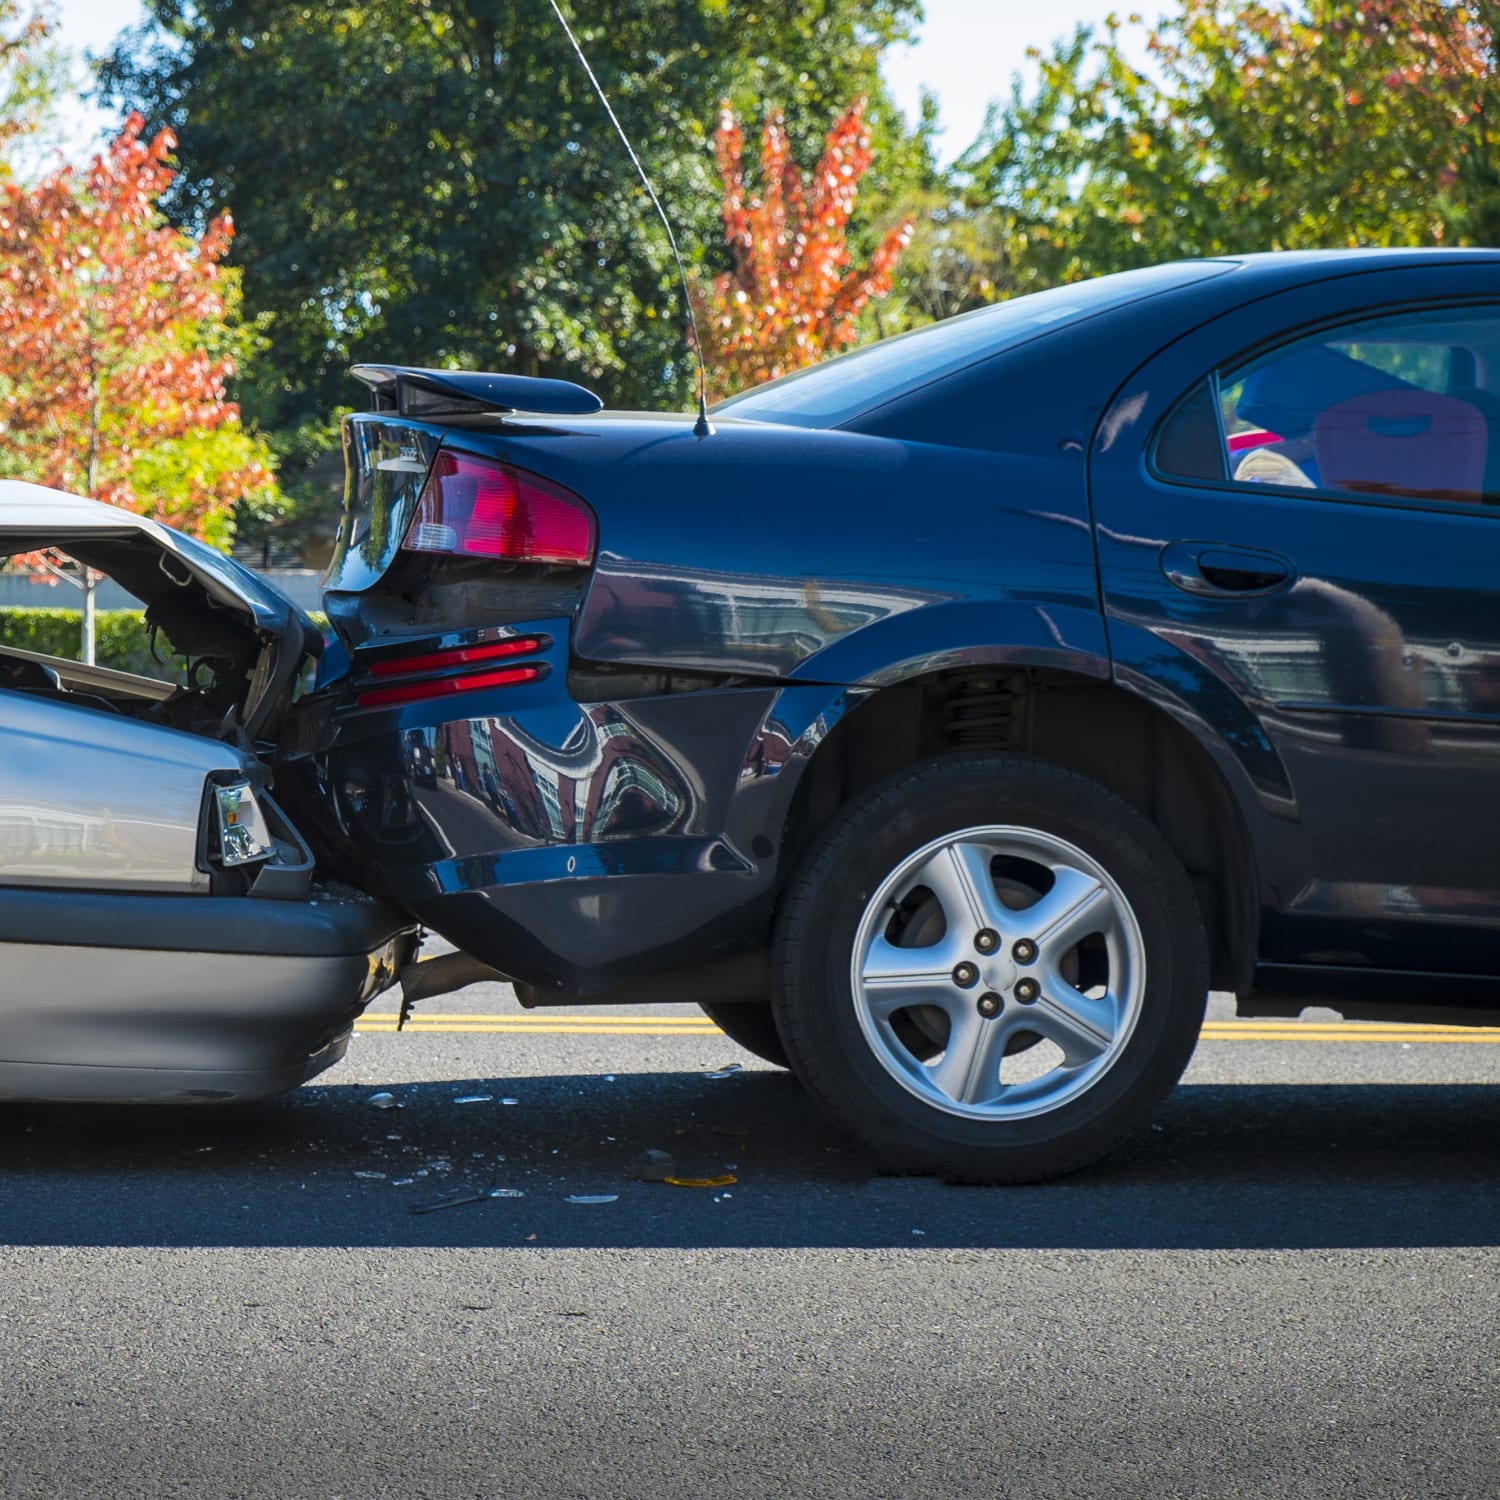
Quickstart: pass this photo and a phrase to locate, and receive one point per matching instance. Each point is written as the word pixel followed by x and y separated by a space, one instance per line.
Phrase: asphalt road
pixel 1290 1288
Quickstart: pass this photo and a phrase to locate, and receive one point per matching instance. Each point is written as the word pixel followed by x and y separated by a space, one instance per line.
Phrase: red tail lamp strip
pixel 441 687
pixel 461 656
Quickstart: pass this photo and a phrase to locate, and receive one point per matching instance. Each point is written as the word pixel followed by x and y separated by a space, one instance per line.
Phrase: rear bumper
pixel 118 997
pixel 573 845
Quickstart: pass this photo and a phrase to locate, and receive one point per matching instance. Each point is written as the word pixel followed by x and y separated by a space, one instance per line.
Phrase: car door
pixel 1298 518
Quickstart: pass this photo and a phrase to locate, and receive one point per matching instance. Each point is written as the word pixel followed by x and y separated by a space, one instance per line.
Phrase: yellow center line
pixel 664 1026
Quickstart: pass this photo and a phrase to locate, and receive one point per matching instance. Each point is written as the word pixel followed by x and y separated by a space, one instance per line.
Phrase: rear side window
pixel 1405 406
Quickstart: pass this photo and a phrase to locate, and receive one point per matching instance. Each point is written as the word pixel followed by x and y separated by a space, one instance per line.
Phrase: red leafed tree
pixel 116 338
pixel 794 295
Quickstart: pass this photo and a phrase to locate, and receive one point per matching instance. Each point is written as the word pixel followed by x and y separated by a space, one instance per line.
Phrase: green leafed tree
pixel 1266 126
pixel 31 72
pixel 433 181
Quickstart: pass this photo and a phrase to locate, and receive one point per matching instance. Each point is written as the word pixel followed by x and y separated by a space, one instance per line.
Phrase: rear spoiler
pixel 413 392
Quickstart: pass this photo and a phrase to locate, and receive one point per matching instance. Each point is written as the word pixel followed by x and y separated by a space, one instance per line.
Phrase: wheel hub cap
pixel 1065 1010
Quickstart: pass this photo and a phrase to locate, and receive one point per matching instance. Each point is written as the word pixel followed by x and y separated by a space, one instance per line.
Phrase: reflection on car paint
pixel 603 780
pixel 745 622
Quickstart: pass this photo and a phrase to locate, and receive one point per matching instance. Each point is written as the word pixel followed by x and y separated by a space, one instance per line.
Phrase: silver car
pixel 163 931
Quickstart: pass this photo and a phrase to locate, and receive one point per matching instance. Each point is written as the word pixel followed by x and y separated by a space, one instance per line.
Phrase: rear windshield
pixel 836 390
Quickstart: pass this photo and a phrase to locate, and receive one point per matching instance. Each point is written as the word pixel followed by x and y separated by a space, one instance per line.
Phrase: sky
pixel 966 54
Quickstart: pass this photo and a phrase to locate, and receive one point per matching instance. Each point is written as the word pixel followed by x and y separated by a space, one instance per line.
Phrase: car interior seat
pixel 1403 442
pixel 1465 386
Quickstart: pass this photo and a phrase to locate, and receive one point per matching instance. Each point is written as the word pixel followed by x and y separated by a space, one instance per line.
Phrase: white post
pixel 90 582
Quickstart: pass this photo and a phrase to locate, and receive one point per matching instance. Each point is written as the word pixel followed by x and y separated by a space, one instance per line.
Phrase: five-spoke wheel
pixel 990 966
pixel 997 971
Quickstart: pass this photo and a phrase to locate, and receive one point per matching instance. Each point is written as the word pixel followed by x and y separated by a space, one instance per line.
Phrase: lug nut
pixel 1024 951
pixel 1027 990
pixel 989 1004
pixel 987 940
pixel 965 975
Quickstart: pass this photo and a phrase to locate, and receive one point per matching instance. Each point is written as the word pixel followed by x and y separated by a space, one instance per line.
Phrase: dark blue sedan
pixel 956 713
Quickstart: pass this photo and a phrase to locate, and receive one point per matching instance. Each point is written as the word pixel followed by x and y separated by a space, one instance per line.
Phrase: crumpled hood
pixel 206 603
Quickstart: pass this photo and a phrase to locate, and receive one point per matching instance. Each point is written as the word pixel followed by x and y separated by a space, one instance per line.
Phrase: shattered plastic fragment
pixel 475 1099
pixel 726 1072
pixel 531 1237
pixel 382 1101
pixel 593 1197
pixel 454 1202
pixel 727 1180
pixel 372 1176
pixel 510 1101
pixel 507 1192
pixel 402 1181
pixel 652 1166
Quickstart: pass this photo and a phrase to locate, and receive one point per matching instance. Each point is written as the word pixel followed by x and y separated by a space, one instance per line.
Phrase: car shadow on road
pixel 1229 1167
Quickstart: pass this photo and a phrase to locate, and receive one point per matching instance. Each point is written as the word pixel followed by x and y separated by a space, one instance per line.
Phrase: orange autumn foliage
pixel 792 297
pixel 114 344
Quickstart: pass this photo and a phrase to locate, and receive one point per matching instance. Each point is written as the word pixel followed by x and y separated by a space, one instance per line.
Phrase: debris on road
pixel 475 1099
pixel 371 1176
pixel 727 1180
pixel 454 1202
pixel 652 1166
pixel 507 1192
pixel 382 1100
pixel 728 1071
pixel 591 1198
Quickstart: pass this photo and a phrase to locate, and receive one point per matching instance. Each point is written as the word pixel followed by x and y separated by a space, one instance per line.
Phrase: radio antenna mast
pixel 702 427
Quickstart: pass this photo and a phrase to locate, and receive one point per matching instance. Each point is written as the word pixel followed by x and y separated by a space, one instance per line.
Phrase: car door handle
pixel 1225 571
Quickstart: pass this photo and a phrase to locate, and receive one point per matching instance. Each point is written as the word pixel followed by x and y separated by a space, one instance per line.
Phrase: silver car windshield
pixel 826 394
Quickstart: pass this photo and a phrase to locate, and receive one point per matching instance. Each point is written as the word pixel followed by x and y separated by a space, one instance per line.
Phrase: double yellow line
pixel 1343 1031
pixel 546 1023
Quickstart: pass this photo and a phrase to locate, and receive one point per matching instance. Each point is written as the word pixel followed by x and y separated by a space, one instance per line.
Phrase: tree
pixel 433 181
pixel 790 298
pixel 117 335
pixel 1255 127
pixel 31 70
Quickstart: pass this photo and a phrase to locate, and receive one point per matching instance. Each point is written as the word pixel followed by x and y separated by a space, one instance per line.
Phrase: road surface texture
pixel 1290 1287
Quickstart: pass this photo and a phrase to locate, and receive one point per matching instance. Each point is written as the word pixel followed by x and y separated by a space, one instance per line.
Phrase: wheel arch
pixel 1101 729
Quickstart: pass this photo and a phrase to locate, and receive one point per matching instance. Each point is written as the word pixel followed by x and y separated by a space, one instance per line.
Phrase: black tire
pixel 851 1060
pixel 751 1026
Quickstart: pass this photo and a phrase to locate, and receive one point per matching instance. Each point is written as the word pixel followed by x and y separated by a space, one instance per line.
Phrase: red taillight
pixel 476 507
pixel 458 662
pixel 438 687
pixel 461 656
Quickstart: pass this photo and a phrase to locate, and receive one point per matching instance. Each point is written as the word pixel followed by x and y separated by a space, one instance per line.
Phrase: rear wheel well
pixel 1092 727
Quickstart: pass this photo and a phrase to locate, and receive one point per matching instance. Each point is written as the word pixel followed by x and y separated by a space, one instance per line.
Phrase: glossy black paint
pixel 754 588
pixel 1355 700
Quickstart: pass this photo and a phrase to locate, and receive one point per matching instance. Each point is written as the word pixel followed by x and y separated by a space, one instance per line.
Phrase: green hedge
pixel 121 639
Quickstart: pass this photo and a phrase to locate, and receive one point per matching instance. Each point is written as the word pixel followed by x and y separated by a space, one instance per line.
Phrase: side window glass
pixel 1190 444
pixel 1403 406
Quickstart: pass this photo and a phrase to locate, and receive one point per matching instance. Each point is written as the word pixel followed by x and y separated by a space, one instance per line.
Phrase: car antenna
pixel 702 427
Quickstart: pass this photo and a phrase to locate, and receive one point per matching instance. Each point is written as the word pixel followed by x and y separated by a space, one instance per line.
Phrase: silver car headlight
pixel 243 836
